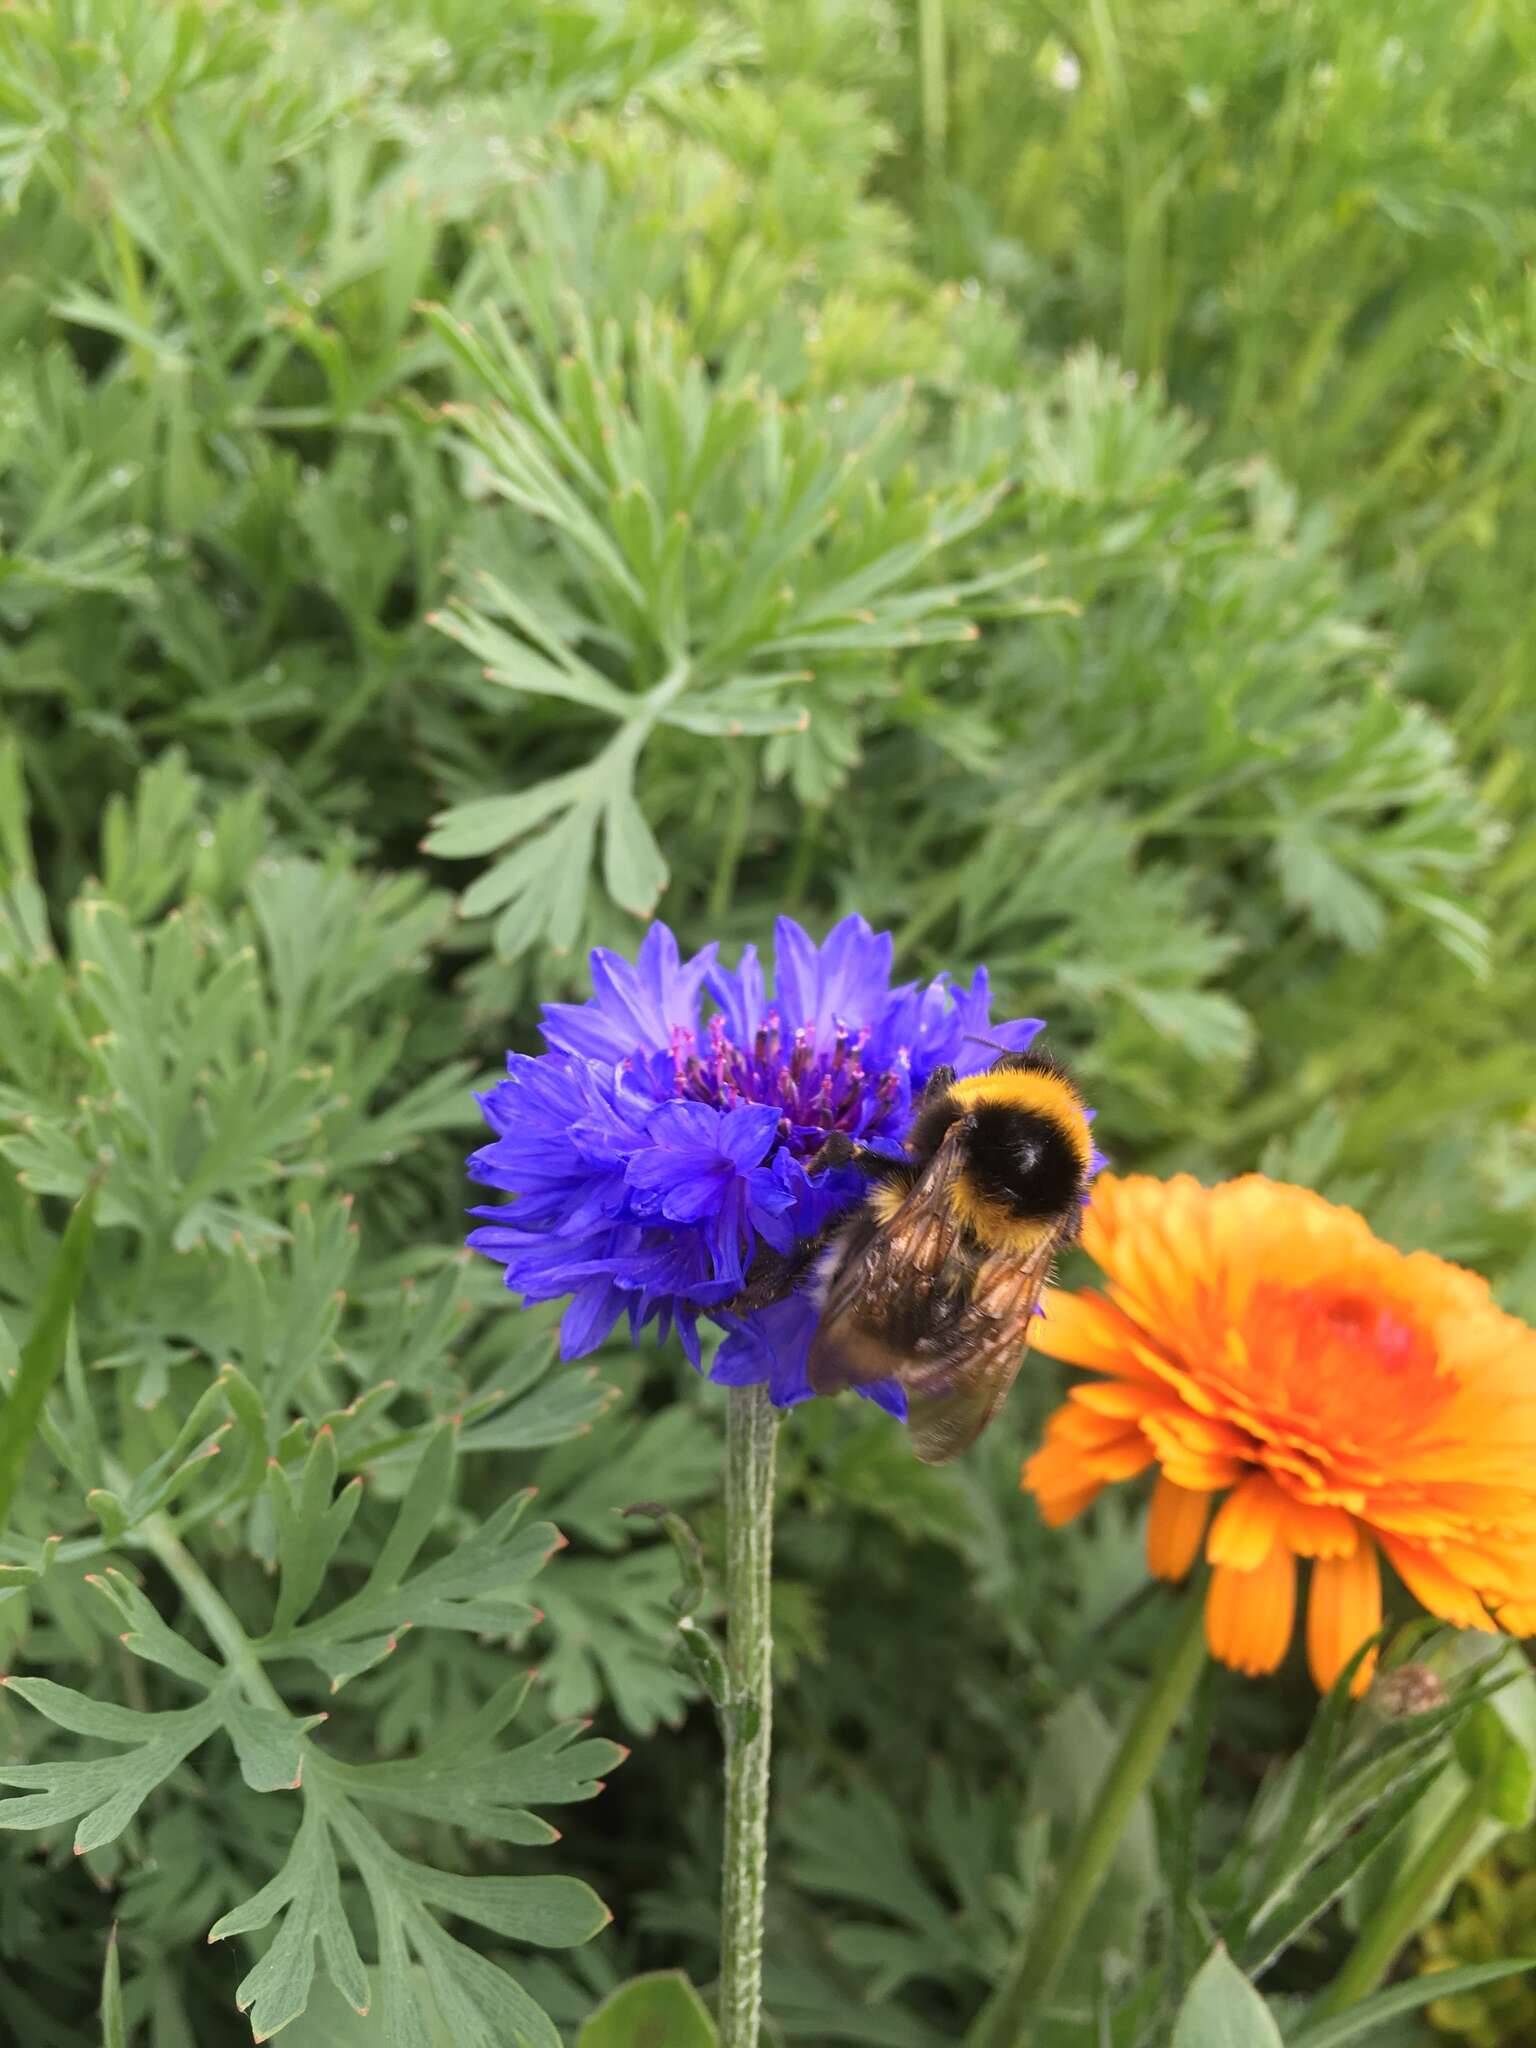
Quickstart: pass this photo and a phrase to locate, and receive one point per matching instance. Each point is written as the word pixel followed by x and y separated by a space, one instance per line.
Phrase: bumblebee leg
pixel 772 1276
pixel 841 1150
pixel 940 1081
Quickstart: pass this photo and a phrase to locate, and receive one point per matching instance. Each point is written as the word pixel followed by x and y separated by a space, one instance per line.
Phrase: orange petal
pixel 1059 1480
pixel 1174 1528
pixel 1314 1529
pixel 1200 1474
pixel 1121 1460
pixel 1249 1615
pixel 1057 1509
pixel 1247 1524
pixel 1114 1397
pixel 1343 1609
pixel 1418 1525
pixel 1085 1329
pixel 1434 1586
pixel 1081 1426
pixel 1212 1438
pixel 1480 1565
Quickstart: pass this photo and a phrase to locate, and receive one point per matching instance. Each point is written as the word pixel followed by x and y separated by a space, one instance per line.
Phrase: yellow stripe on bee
pixel 886 1198
pixel 989 1222
pixel 994 1225
pixel 1047 1094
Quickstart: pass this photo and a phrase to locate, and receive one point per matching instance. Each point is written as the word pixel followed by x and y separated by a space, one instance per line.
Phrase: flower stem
pixel 748 1713
pixel 934 89
pixel 1019 2000
pixel 1398 1915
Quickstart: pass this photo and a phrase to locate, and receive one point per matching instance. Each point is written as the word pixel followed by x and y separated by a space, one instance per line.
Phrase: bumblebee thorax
pixel 1025 1153
pixel 1020 1159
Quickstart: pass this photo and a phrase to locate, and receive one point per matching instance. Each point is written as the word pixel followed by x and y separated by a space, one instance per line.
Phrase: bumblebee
pixel 933 1281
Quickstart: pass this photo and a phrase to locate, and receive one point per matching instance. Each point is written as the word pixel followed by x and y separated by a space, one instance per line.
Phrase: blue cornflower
pixel 654 1146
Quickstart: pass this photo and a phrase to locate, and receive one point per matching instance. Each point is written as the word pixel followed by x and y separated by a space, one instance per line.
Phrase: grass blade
pixel 114 2028
pixel 1362 2020
pixel 1316 1892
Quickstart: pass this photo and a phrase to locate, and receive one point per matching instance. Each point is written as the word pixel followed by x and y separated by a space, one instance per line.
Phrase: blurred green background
pixel 1059 481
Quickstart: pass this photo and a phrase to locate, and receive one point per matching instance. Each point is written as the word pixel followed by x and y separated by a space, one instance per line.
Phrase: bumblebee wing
pixel 891 1284
pixel 955 1386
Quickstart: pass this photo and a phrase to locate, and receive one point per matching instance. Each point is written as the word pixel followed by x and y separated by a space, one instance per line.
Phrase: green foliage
pixel 114 2032
pixel 659 2011
pixel 1492 1915
pixel 1222 2010
pixel 472 475
pixel 704 537
pixel 219 1405
pixel 1372 2014
pixel 41 1358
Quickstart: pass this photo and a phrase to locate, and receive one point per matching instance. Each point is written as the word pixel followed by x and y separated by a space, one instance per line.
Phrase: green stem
pixel 1019 2001
pixel 1405 1907
pixel 42 1356
pixel 738 818
pixel 807 844
pixel 748 1712
pixel 156 1535
pixel 934 93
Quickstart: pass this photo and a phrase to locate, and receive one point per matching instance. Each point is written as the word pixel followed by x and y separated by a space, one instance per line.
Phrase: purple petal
pixel 635 1007
pixel 842 983
pixel 740 994
pixel 685 1126
pixel 890 1395
pixel 688 1337
pixel 686 1197
pixel 595 1308
pixel 770 1347
pixel 745 1135
pixel 979 1051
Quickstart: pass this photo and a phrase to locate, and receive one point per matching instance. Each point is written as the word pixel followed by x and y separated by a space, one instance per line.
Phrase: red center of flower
pixel 1354 1368
pixel 816 1090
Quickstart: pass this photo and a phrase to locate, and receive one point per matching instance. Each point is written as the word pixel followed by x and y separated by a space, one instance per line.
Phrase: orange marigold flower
pixel 1342 1400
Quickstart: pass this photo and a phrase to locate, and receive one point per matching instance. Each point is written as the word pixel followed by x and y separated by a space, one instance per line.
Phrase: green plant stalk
pixel 212 1610
pixel 747 1719
pixel 158 1536
pixel 1006 2021
pixel 933 87
pixel 1398 1915
pixel 42 1356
